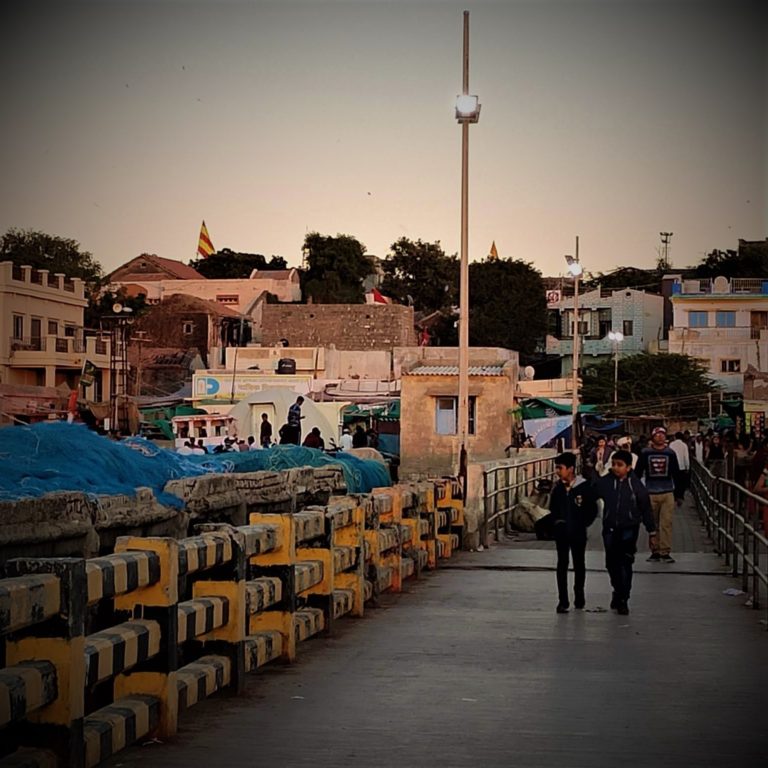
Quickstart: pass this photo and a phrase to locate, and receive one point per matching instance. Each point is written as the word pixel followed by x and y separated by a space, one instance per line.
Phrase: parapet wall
pixel 345 326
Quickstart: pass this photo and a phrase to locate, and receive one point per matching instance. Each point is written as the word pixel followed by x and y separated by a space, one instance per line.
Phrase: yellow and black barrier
pixel 100 653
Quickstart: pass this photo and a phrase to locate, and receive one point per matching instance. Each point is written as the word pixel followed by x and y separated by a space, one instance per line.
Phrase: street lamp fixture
pixel 467 108
pixel 616 337
pixel 575 270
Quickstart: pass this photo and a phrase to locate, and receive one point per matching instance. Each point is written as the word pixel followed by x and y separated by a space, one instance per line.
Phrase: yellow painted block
pixel 166 591
pixel 234 630
pixel 158 684
pixel 68 656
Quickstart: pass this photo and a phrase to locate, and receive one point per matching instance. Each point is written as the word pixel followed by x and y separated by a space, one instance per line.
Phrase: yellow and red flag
pixel 204 245
pixel 494 254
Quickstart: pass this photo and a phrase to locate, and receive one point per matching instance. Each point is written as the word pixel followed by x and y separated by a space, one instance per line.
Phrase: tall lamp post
pixel 467 112
pixel 616 337
pixel 574 267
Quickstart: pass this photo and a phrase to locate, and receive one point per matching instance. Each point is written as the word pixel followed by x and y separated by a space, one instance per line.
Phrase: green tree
pixel 648 280
pixel 56 254
pixel 507 305
pixel 336 268
pixel 423 272
pixel 664 384
pixel 751 260
pixel 101 304
pixel 227 263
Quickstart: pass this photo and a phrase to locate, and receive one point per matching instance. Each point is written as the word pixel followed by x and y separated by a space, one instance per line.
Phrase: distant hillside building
pixel 636 314
pixel 724 324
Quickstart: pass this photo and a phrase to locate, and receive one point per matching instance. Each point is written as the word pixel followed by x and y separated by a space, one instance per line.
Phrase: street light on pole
pixel 616 337
pixel 467 112
pixel 575 270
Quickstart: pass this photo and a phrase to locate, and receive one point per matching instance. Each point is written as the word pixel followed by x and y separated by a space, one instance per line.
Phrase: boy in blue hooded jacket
pixel 626 504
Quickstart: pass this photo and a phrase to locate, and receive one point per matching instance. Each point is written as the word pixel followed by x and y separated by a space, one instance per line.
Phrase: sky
pixel 126 123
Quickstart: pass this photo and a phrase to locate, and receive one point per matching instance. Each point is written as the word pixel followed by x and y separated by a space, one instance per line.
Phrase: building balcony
pixel 631 345
pixel 58 351
pixel 745 286
pixel 40 280
pixel 717 335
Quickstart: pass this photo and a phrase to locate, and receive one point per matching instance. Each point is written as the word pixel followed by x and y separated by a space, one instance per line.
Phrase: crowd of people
pixel 630 484
pixel 288 434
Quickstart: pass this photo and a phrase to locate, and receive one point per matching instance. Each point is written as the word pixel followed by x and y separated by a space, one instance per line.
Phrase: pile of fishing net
pixel 55 456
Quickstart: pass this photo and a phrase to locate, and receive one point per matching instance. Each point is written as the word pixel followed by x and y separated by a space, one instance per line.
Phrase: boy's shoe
pixel 667 559
pixel 615 601
pixel 622 609
pixel 579 602
pixel 654 558
pixel 562 608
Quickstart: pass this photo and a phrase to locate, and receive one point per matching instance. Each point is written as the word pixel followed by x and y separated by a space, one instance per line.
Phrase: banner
pixel 542 431
pixel 87 374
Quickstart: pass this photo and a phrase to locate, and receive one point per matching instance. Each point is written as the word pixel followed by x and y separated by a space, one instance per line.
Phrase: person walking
pixel 573 507
pixel 265 431
pixel 658 467
pixel 626 504
pixel 683 477
pixel 715 457
pixel 598 457
pixel 295 417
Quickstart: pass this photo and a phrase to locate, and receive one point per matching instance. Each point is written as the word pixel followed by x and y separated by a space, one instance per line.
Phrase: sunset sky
pixel 127 123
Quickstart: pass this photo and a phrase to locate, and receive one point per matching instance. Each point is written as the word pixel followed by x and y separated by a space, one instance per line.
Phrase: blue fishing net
pixel 55 456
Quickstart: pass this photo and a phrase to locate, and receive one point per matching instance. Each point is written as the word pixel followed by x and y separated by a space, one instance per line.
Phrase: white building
pixel 42 339
pixel 723 324
pixel 636 314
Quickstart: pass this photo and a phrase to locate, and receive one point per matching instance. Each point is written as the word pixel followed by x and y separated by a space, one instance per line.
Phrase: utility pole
pixel 665 238
pixel 139 339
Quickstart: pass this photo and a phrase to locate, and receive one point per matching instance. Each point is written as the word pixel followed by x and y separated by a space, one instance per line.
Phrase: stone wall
pixel 346 326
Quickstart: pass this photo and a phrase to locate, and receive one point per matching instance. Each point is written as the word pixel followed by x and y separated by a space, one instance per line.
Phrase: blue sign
pixel 207 385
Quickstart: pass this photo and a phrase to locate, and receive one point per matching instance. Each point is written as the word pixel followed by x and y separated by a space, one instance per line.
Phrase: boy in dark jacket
pixel 574 508
pixel 626 504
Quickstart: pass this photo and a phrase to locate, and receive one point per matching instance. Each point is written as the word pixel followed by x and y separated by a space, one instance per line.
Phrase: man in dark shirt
pixel 574 507
pixel 265 432
pixel 658 468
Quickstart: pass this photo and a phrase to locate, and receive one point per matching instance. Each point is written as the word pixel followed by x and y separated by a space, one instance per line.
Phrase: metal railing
pixel 734 518
pixel 504 484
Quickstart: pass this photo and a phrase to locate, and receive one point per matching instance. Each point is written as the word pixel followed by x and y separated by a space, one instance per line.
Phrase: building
pixel 636 314
pixel 42 339
pixel 428 410
pixel 149 268
pixel 158 278
pixel 723 324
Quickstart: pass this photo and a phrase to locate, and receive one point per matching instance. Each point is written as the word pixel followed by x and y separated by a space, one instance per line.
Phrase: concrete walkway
pixel 472 667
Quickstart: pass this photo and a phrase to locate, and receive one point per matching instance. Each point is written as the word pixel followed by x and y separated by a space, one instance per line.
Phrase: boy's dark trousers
pixel 573 546
pixel 620 548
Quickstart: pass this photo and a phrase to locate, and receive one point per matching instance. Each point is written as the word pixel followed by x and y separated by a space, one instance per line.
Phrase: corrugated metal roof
pixel 453 370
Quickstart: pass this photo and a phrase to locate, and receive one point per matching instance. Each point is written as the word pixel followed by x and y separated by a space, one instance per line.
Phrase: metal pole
pixel 615 374
pixel 463 404
pixel 575 384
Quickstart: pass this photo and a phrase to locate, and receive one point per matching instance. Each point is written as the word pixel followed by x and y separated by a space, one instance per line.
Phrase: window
pixel 18 327
pixel 53 327
pixel 69 330
pixel 187 327
pixel 603 322
pixel 698 319
pixel 725 319
pixel 628 327
pixel 446 415
pixel 730 366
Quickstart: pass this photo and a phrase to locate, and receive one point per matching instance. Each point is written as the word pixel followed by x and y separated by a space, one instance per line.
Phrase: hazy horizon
pixel 127 123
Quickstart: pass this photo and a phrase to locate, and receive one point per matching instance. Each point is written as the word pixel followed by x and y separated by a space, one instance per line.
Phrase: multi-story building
pixel 636 314
pixel 42 338
pixel 723 324
pixel 158 278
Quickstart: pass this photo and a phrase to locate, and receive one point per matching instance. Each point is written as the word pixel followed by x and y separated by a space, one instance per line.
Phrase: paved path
pixel 472 667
